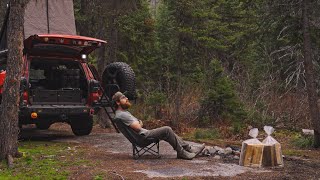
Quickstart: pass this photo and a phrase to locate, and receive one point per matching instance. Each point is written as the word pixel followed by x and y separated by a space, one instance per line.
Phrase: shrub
pixel 305 141
pixel 155 102
pixel 206 134
pixel 220 100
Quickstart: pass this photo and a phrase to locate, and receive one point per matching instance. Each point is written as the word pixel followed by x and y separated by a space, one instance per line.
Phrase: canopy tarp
pixel 44 17
pixel 49 17
pixel 3 32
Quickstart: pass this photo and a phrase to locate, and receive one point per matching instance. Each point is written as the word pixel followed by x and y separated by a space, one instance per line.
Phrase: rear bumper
pixel 53 113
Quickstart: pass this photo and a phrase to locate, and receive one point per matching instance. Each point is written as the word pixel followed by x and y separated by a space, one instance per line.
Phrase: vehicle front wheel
pixel 82 126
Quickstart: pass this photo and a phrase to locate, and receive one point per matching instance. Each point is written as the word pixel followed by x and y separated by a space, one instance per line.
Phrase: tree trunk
pixel 102 117
pixel 82 24
pixel 112 44
pixel 11 96
pixel 178 93
pixel 310 80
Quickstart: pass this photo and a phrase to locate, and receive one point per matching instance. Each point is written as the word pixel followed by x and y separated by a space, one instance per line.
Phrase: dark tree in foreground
pixel 11 97
pixel 310 77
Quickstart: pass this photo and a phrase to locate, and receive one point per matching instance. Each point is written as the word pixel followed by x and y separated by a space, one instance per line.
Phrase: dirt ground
pixel 111 154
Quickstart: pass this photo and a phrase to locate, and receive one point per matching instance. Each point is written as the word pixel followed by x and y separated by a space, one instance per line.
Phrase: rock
pixel 222 151
pixel 235 148
pixel 209 151
pixel 236 157
pixel 49 156
pixel 206 152
pixel 217 157
pixel 308 131
pixel 227 151
pixel 237 153
pixel 212 150
pixel 217 148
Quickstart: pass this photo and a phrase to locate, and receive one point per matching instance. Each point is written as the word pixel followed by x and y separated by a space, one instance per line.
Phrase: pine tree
pixel 11 94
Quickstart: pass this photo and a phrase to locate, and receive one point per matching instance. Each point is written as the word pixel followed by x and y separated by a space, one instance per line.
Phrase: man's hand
pixel 136 126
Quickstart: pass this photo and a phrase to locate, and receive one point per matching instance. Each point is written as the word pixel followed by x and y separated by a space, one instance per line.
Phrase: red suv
pixel 58 85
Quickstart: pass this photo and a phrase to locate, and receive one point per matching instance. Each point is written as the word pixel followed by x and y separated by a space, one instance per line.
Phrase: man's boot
pixel 183 154
pixel 192 149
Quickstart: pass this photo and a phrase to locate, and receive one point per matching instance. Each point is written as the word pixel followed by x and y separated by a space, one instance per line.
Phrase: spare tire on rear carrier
pixel 119 76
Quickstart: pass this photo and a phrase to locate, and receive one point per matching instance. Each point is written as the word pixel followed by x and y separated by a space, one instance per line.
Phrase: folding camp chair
pixel 140 144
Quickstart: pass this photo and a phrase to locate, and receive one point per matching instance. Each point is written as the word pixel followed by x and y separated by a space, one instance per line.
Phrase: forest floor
pixel 106 154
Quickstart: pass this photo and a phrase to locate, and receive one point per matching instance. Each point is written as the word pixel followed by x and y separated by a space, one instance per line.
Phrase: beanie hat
pixel 117 96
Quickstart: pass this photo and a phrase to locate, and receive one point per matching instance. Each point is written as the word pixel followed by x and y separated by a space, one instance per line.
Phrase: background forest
pixel 208 62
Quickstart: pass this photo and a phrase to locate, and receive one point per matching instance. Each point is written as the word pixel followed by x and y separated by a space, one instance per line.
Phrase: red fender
pixel 2 77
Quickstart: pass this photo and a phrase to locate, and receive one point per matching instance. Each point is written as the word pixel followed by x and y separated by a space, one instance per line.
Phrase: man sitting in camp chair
pixel 184 150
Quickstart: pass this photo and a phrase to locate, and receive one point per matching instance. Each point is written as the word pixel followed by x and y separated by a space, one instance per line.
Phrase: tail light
pixel 94 91
pixel 25 97
pixel 23 89
pixel 91 111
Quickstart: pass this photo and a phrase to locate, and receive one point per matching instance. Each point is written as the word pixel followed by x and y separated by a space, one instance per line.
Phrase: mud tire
pixel 121 74
pixel 82 126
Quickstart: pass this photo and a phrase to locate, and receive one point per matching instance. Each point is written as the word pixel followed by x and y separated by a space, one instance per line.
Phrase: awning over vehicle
pixel 44 17
pixel 49 17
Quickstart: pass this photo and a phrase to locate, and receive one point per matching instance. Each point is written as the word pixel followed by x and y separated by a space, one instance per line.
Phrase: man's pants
pixel 166 133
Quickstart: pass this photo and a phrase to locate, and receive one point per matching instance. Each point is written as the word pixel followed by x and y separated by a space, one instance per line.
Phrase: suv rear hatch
pixel 57 73
pixel 61 45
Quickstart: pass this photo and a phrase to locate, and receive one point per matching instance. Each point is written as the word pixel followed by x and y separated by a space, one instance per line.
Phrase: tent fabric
pixel 35 18
pixel 49 17
pixel 3 32
pixel 61 17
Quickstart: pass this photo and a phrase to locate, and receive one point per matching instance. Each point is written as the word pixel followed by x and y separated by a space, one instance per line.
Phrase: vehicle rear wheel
pixel 121 74
pixel 82 126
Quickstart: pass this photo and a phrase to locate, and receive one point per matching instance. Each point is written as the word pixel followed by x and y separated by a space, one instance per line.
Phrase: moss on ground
pixel 43 160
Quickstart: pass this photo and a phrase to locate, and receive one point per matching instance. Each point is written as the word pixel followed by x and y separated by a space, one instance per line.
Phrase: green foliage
pixel 303 141
pixel 220 100
pixel 155 102
pixel 206 134
pixel 156 98
pixel 257 47
pixel 98 177
pixel 43 160
pixel 259 118
pixel 136 39
pixel 237 127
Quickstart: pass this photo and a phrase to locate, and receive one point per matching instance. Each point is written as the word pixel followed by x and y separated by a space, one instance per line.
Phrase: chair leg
pixel 158 149
pixel 135 151
pixel 139 151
